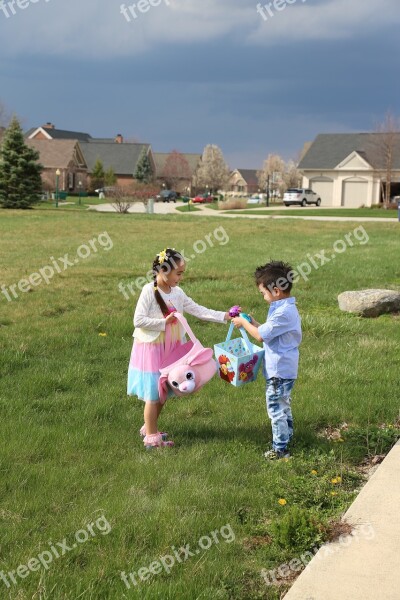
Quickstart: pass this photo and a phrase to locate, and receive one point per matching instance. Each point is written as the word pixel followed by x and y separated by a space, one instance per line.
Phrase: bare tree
pixel 176 170
pixel 387 140
pixel 124 196
pixel 213 171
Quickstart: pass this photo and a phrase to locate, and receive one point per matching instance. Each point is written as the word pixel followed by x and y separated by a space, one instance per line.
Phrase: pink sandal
pixel 143 433
pixel 155 441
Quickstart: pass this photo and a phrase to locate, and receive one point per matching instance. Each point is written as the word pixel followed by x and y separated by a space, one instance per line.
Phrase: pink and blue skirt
pixel 144 365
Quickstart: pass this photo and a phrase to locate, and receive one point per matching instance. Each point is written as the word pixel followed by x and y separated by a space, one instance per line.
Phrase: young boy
pixel 281 335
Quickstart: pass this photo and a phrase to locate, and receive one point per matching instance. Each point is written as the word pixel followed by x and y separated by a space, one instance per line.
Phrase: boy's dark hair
pixel 166 261
pixel 275 274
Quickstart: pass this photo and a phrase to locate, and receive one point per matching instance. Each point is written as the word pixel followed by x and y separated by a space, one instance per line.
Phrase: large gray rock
pixel 370 303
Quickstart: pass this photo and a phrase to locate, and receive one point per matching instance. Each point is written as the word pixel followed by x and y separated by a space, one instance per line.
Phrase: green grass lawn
pixel 186 209
pixel 70 452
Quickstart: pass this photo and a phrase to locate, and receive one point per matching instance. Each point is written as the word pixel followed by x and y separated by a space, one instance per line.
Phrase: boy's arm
pixel 251 328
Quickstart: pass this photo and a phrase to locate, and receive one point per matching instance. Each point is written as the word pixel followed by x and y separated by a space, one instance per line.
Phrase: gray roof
pixel 249 175
pixel 121 157
pixel 62 134
pixel 330 149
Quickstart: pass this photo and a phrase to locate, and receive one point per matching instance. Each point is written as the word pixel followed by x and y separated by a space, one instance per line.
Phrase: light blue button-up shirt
pixel 281 335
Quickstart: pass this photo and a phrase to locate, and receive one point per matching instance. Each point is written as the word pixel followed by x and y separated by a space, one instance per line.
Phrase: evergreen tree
pixel 109 177
pixel 20 180
pixel 143 172
pixel 98 176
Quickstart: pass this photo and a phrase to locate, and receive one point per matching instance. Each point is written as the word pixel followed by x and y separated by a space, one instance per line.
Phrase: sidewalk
pixel 205 211
pixel 366 569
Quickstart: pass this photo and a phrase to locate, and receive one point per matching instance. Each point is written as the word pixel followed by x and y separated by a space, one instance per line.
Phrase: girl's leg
pixel 151 413
pixel 153 438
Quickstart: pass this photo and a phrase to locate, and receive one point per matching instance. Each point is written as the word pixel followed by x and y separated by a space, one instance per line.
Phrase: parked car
pixel 301 196
pixel 105 190
pixel 167 196
pixel 203 199
pixel 256 199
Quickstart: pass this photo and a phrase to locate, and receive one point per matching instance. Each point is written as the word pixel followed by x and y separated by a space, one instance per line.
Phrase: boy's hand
pixel 227 316
pixel 238 321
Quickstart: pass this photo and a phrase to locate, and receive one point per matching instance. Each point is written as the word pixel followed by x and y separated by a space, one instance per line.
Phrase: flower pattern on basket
pixel 226 371
pixel 246 369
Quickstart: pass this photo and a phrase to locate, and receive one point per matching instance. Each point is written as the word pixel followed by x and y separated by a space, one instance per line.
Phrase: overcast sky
pixel 191 72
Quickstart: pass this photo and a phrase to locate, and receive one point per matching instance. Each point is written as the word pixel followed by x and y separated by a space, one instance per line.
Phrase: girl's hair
pixel 165 261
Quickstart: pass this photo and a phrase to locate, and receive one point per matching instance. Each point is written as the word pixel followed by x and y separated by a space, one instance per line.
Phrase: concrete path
pixel 205 211
pixel 367 565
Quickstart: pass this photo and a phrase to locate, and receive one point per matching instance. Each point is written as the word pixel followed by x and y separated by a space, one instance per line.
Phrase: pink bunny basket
pixel 188 368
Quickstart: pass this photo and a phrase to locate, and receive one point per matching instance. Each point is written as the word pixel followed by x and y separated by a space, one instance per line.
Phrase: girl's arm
pixel 203 313
pixel 141 317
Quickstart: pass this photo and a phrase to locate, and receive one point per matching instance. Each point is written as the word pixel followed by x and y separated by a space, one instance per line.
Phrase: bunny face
pixel 196 368
pixel 182 379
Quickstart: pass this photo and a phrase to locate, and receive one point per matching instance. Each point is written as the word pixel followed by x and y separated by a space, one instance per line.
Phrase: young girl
pixel 154 312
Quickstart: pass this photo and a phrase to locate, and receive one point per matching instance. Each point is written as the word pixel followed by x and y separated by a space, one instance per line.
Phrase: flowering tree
pixel 213 171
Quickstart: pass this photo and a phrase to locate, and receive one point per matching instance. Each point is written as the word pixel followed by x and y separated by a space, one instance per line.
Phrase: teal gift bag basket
pixel 238 359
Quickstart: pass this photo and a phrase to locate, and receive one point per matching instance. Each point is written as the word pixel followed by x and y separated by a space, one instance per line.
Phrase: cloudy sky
pixel 186 73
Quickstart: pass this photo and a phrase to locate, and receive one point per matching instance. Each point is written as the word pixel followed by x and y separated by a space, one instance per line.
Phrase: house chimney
pixel 48 126
pixel 119 139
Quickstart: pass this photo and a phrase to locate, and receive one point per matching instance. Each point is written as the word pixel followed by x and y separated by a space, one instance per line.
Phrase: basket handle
pixel 244 336
pixel 185 326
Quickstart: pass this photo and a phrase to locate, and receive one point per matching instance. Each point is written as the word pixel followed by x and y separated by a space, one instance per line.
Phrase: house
pixel 112 152
pixel 123 158
pixel 349 169
pixel 244 181
pixel 49 132
pixel 186 183
pixel 64 155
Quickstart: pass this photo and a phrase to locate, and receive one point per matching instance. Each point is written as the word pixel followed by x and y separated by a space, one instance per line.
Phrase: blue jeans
pixel 279 411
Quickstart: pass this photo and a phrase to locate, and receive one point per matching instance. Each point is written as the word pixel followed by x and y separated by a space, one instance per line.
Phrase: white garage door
pixel 324 189
pixel 355 194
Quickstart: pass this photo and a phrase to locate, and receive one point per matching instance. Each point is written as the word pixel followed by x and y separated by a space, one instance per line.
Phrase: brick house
pixel 243 181
pixel 65 155
pixel 113 152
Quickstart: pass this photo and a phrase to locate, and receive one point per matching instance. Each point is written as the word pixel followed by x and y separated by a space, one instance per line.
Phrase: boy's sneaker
pixel 276 454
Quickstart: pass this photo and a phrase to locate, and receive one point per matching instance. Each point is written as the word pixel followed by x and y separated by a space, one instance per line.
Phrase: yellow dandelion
pixel 339 479
pixel 102 334
pixel 314 472
pixel 282 501
pixel 333 493
pixel 334 481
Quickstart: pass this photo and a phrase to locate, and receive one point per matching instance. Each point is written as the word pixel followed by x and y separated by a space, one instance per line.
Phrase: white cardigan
pixel 149 320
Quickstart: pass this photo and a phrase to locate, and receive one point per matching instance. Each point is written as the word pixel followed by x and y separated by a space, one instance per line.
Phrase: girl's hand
pixel 170 319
